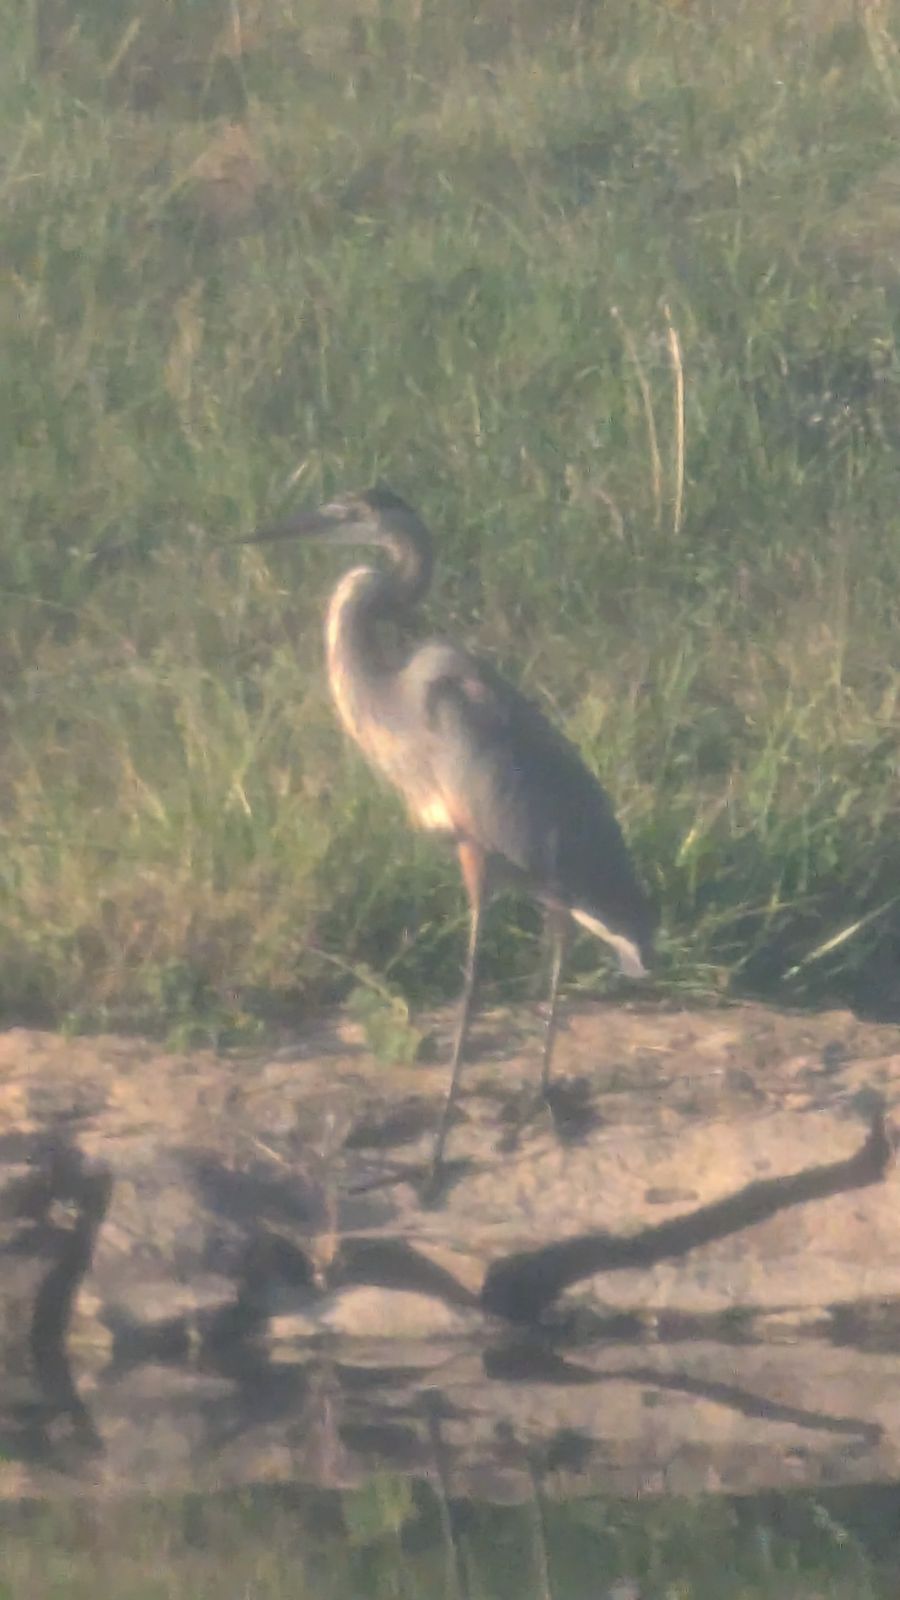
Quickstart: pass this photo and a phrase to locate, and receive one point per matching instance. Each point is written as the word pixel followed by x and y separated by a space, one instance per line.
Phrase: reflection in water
pixel 609 1468
pixel 393 1536
pixel 625 1418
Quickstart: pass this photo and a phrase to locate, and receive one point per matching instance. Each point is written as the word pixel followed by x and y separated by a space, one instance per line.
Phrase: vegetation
pixel 259 250
pixel 385 1539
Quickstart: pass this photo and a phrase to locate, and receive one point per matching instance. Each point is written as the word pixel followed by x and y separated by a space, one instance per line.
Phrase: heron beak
pixel 306 525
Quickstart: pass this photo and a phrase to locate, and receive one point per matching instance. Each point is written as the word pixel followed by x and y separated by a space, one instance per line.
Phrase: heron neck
pixel 410 550
pixel 366 596
pixel 351 634
pixel 359 665
pixel 358 669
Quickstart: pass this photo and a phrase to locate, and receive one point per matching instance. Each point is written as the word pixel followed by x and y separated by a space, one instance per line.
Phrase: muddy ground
pixel 713 1197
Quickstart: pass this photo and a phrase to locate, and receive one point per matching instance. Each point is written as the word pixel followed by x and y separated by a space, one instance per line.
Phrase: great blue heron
pixel 474 760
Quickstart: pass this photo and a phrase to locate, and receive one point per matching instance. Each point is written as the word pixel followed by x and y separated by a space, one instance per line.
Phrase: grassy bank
pixel 475 249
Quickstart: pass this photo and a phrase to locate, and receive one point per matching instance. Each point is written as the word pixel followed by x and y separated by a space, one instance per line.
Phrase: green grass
pixel 384 1539
pixel 250 245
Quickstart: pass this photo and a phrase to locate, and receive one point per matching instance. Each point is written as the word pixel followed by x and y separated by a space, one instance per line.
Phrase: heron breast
pixel 392 756
pixel 432 814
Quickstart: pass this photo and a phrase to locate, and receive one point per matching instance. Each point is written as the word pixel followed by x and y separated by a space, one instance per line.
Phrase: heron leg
pixel 558 930
pixel 473 864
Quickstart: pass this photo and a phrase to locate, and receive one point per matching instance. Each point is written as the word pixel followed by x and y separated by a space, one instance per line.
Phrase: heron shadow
pixel 437 1181
pixel 402 1125
pixel 567 1103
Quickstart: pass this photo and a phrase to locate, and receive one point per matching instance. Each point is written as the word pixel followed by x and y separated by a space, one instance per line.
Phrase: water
pixel 617 1468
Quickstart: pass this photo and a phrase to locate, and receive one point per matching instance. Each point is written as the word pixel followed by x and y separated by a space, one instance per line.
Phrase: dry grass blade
pixel 647 399
pixel 674 345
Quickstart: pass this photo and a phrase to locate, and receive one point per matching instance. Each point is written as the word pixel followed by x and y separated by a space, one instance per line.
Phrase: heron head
pixel 371 516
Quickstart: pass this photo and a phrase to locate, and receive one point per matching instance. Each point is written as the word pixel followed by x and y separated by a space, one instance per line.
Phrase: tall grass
pixel 260 250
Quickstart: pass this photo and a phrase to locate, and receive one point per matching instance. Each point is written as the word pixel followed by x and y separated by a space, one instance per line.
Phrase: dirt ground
pixel 177 1227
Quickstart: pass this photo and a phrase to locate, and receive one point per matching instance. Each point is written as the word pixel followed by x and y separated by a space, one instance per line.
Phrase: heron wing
pixel 516 786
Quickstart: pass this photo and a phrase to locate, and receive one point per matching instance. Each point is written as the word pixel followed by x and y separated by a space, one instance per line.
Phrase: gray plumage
pixel 533 803
pixel 474 759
